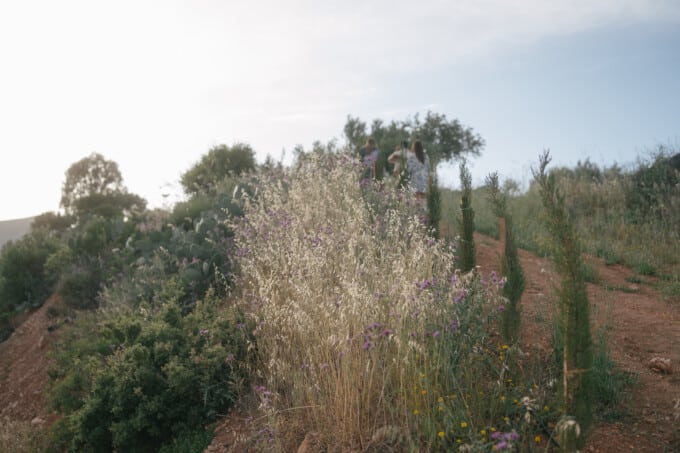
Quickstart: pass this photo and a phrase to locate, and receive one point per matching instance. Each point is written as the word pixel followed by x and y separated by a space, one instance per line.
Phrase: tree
pixel 443 139
pixel 51 221
pixel 577 349
pixel 511 268
pixel 220 162
pixel 434 207
pixel 94 186
pixel 466 246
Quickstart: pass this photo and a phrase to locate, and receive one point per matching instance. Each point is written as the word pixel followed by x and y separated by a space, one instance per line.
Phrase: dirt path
pixel 640 325
pixel 23 370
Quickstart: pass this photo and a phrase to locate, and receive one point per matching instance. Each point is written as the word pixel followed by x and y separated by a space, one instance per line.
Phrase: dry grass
pixel 21 437
pixel 364 327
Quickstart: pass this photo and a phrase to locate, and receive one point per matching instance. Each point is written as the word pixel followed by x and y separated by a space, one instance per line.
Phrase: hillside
pixel 640 324
pixel 14 229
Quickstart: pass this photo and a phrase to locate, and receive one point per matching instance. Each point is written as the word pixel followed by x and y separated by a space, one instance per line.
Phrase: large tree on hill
pixel 444 139
pixel 94 186
pixel 221 161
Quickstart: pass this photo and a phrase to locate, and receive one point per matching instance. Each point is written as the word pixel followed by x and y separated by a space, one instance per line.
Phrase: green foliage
pixel 644 268
pixel 94 186
pixel 219 163
pixel 443 139
pixel 189 442
pixel 609 383
pixel 25 282
pixel 139 378
pixel 671 288
pixel 52 222
pixel 574 305
pixel 654 189
pixel 511 268
pixel 80 283
pixel 467 222
pixel 434 207
pixel 185 213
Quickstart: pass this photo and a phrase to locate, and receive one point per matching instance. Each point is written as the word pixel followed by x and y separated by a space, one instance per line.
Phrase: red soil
pixel 640 324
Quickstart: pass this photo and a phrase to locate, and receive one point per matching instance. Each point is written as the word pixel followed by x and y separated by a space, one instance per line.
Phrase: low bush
pixel 133 381
pixel 25 281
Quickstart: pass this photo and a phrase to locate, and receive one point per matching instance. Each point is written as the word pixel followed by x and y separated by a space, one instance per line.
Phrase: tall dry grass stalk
pixel 361 318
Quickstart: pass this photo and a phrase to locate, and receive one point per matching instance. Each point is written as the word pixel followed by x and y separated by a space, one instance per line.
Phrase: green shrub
pixel 25 282
pixel 148 375
pixel 466 246
pixel 434 207
pixel 574 321
pixel 609 383
pixel 189 442
pixel 511 267
pixel 79 285
pixel 645 268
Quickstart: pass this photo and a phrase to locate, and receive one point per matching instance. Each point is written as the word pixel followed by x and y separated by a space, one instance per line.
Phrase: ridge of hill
pixel 14 229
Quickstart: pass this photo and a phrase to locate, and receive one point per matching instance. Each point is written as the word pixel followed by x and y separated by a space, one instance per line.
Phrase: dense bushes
pixel 132 381
pixel 25 280
pixel 163 353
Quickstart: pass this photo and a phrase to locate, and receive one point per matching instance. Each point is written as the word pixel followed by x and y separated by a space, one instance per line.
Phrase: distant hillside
pixel 14 229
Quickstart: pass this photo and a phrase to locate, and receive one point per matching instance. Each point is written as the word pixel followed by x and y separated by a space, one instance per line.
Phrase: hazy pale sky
pixel 152 85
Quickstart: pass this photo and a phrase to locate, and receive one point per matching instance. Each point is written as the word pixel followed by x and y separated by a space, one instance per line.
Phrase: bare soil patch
pixel 640 325
pixel 23 369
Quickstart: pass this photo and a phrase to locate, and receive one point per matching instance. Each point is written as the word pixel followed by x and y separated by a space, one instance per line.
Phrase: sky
pixel 153 85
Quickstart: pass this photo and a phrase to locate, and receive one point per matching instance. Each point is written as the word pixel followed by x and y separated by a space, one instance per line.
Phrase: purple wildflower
pixel 512 436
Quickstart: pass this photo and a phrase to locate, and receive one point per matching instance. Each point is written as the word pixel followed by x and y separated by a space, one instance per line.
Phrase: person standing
pixel 418 168
pixel 398 158
pixel 369 156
